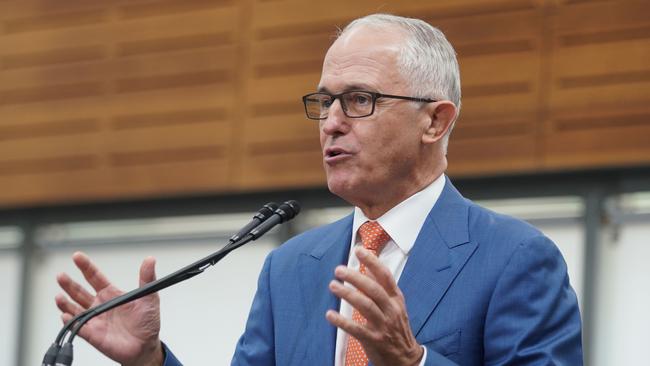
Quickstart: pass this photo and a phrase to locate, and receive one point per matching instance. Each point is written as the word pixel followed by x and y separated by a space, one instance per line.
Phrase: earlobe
pixel 440 120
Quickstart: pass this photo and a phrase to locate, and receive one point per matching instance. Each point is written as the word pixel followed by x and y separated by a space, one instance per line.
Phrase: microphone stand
pixel 62 355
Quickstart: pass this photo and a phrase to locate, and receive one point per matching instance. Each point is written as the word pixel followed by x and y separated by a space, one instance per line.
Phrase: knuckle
pixel 357 330
pixel 377 337
pixel 365 304
pixel 375 292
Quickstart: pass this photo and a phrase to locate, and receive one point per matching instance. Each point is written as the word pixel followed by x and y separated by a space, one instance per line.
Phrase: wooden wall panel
pixel 291 37
pixel 116 100
pixel 600 95
pixel 147 98
pixel 500 58
pixel 281 146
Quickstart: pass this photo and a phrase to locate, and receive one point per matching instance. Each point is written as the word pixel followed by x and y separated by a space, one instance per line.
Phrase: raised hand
pixel 386 337
pixel 128 334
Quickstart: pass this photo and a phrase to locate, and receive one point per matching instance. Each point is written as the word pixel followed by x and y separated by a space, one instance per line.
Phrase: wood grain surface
pixel 122 99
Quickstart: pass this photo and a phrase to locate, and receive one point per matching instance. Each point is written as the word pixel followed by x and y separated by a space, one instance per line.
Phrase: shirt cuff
pixel 424 356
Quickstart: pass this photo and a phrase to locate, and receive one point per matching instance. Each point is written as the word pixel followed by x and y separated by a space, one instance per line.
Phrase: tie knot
pixel 373 236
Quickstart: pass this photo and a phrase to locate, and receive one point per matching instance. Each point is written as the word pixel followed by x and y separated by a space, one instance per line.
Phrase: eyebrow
pixel 323 89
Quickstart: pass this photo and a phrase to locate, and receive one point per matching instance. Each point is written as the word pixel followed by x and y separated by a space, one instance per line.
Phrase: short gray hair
pixel 427 60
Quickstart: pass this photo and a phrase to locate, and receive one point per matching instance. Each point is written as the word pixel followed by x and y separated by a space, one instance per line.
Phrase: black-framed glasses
pixel 355 103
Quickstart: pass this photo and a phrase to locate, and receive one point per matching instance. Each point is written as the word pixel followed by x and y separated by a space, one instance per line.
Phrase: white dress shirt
pixel 402 223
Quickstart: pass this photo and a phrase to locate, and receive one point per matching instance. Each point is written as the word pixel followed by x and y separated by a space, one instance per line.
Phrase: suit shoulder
pixel 487 226
pixel 502 238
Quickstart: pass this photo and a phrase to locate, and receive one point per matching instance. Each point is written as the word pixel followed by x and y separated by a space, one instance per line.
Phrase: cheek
pixel 396 149
pixel 322 136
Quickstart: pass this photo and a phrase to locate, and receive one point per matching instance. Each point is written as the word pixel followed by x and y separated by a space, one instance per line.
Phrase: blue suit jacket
pixel 480 289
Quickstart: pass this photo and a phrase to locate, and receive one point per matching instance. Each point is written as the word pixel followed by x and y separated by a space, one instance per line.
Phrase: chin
pixel 340 187
pixel 335 187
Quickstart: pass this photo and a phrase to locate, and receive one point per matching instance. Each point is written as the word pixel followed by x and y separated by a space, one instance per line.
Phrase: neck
pixel 373 209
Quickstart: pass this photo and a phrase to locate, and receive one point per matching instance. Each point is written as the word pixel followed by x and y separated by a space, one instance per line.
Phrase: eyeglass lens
pixel 354 103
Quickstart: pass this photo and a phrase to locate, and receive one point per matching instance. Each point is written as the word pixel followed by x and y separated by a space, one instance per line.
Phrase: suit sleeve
pixel 533 316
pixel 256 345
pixel 170 359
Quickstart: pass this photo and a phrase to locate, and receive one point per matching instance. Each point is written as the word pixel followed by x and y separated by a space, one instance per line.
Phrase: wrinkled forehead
pixel 362 56
pixel 374 35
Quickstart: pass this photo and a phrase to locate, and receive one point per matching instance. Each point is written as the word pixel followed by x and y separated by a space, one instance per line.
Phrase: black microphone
pixel 264 213
pixel 50 355
pixel 65 357
pixel 285 212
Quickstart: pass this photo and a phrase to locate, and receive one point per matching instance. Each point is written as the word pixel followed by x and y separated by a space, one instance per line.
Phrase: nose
pixel 336 121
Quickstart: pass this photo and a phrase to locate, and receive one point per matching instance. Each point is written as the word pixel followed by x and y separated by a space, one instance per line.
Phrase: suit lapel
pixel 440 252
pixel 316 270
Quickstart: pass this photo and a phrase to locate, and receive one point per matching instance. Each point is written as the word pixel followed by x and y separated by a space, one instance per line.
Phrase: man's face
pixel 370 158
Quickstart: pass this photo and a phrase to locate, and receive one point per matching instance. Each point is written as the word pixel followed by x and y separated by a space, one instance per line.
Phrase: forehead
pixel 363 58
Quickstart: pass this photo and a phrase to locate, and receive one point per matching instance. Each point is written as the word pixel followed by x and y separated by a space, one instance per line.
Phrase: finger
pixel 147 275
pixel 66 317
pixel 350 327
pixel 66 306
pixel 91 273
pixel 75 290
pixel 359 301
pixel 85 332
pixel 147 271
pixel 378 271
pixel 369 286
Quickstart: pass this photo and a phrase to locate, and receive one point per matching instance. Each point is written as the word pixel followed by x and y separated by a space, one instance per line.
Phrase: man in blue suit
pixel 417 275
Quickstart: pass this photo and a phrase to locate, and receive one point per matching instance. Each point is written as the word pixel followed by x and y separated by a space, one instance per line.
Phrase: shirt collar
pixel 404 221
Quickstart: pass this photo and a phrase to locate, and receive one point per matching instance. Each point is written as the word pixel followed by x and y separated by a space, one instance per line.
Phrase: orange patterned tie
pixel 373 238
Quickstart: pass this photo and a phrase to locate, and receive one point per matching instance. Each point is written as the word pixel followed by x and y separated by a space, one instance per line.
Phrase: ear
pixel 440 116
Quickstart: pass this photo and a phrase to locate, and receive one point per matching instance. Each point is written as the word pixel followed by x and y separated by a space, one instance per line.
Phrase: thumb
pixel 147 271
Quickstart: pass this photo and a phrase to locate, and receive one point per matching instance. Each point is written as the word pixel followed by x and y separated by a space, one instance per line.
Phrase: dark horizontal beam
pixel 611 181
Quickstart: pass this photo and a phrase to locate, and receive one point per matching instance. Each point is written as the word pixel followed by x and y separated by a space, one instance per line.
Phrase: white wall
pixel 623 306
pixel 9 286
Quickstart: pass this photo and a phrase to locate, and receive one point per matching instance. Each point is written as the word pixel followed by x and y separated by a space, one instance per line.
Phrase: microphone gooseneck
pixel 270 215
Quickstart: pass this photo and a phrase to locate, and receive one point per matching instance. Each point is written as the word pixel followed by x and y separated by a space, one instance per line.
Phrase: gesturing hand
pixel 386 336
pixel 127 334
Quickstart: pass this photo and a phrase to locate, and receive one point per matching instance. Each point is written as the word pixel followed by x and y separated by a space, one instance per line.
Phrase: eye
pixel 361 99
pixel 326 102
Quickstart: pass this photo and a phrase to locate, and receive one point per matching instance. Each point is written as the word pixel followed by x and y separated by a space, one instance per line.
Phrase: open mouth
pixel 335 154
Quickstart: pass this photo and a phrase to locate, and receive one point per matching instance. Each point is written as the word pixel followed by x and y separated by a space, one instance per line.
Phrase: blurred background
pixel 131 128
